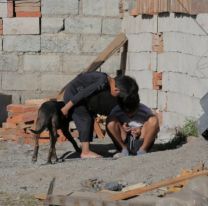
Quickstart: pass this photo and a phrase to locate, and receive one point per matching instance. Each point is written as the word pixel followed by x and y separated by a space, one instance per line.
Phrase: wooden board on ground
pixel 167 182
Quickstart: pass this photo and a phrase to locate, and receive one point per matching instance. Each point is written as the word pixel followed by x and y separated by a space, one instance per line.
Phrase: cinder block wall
pixel 42 49
pixel 176 47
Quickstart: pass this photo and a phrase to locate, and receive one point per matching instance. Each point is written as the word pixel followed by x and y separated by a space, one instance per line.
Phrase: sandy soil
pixel 19 176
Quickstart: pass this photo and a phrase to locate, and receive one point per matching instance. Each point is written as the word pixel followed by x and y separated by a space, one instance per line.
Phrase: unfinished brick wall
pixel 168 55
pixel 45 43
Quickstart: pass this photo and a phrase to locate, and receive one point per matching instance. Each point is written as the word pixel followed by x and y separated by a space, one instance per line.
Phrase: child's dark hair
pixel 127 85
pixel 128 98
pixel 130 103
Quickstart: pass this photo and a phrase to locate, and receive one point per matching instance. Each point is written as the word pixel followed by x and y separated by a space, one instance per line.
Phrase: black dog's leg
pixel 36 147
pixel 52 150
pixel 68 135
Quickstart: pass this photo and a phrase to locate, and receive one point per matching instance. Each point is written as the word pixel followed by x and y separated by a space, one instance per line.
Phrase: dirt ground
pixel 20 179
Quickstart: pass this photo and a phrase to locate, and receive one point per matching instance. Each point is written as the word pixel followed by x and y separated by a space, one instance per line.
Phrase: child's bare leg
pixel 149 132
pixel 116 133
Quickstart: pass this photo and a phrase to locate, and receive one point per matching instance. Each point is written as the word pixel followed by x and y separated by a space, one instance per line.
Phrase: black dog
pixel 50 117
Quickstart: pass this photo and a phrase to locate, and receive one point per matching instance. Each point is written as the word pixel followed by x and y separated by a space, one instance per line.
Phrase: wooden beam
pixel 113 47
pixel 167 182
pixel 124 58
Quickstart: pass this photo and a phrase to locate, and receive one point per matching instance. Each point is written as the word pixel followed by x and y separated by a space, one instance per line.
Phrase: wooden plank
pixel 124 58
pixel 114 46
pixel 167 182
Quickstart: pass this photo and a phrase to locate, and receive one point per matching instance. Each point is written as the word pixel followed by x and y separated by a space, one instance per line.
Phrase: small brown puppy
pixel 50 117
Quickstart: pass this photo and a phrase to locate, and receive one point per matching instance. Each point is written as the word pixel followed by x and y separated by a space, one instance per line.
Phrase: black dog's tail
pixel 38 131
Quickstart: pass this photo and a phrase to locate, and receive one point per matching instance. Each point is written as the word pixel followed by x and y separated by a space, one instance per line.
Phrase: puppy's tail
pixel 38 131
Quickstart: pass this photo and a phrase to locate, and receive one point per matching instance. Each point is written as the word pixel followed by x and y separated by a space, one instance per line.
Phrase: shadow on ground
pixel 108 150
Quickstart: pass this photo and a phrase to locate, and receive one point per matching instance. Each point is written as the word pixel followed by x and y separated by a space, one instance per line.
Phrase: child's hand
pixel 64 112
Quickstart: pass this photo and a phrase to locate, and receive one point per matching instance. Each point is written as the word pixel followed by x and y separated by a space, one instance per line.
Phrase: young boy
pixel 132 127
pixel 77 95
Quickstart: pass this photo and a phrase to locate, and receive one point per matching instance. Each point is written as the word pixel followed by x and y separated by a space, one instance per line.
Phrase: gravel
pixel 19 176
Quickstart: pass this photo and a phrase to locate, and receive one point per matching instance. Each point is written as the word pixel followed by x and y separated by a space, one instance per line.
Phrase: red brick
pixel 44 141
pixel 10 8
pixel 11 133
pixel 28 14
pixel 1 27
pixel 20 108
pixel 9 125
pixel 134 12
pixel 157 80
pixel 24 117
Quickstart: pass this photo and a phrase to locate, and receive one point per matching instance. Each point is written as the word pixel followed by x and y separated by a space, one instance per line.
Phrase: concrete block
pixel 5 100
pixel 183 63
pixel 111 65
pixel 88 25
pixel 20 25
pixel 3 8
pixel 142 61
pixel 95 43
pixel 54 82
pixel 27 95
pixel 202 20
pixel 59 8
pixel 184 84
pixel 139 24
pixel 173 119
pixel 16 81
pixel 101 8
pixel 188 64
pixel 143 78
pixel 75 64
pixel 111 26
pixel 162 101
pixel 60 43
pixel 24 43
pixel 43 62
pixel 51 25
pixel 183 104
pixel 9 62
pixel 185 43
pixel 183 23
pixel 148 97
pixel 140 43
